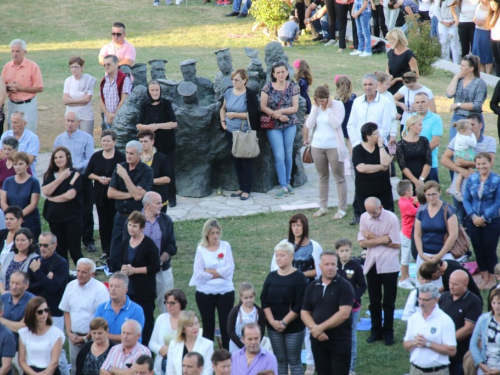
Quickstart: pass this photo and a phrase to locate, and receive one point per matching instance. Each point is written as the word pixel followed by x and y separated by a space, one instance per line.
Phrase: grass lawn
pixel 55 31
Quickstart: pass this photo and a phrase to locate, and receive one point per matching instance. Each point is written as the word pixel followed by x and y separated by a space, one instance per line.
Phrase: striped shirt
pixel 118 359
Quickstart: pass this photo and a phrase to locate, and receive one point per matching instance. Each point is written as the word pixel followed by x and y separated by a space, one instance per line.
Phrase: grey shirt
pixel 235 103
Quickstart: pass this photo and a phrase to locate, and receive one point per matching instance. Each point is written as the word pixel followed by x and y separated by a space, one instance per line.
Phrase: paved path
pixel 215 205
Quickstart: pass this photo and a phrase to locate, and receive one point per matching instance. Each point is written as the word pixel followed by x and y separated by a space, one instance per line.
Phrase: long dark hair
pixel 305 229
pixel 473 61
pixel 29 236
pixel 52 166
pixel 30 313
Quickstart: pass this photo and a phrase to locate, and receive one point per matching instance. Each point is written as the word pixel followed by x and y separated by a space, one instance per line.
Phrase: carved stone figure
pixel 127 69
pixel 127 117
pixel 206 93
pixel 140 73
pixel 168 89
pixel 223 78
pixel 157 69
pixel 275 53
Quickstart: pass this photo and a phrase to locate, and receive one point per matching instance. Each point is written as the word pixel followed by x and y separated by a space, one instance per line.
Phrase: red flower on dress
pixel 220 256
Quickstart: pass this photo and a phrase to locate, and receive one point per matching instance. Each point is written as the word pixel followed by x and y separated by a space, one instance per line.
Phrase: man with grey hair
pixel 370 107
pixel 28 141
pixel 23 79
pixel 119 308
pixel 129 183
pixel 81 146
pixel 430 335
pixel 79 303
pixel 7 347
pixel 123 355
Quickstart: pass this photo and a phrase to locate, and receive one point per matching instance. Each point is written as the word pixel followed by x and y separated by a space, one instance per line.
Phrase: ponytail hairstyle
pixel 382 76
pixel 344 88
pixel 412 120
pixel 303 71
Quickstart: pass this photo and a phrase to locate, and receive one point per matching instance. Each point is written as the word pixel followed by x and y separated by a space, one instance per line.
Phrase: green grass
pixel 55 31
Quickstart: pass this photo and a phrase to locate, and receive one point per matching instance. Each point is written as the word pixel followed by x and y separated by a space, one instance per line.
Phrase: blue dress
pixel 304 86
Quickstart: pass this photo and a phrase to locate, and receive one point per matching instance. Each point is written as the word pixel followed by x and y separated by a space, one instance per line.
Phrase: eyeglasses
pixel 41 311
pixel 116 34
pixel 46 245
pixel 171 303
pixel 375 134
pixel 75 67
pixel 107 65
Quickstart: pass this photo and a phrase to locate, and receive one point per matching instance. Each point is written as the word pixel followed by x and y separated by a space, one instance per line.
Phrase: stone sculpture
pixel 140 74
pixel 157 69
pixel 275 53
pixel 127 69
pixel 206 93
pixel 127 117
pixel 256 65
pixel 223 78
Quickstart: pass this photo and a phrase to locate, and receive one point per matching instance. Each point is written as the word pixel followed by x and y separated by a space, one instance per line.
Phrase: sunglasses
pixel 43 245
pixel 116 34
pixel 107 65
pixel 41 311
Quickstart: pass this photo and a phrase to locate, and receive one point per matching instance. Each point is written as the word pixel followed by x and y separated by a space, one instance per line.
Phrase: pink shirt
pixel 384 258
pixel 408 212
pixel 25 74
pixel 125 51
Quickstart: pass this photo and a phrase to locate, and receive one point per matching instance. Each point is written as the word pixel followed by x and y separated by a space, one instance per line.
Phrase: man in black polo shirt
pixel 130 181
pixel 464 308
pixel 326 311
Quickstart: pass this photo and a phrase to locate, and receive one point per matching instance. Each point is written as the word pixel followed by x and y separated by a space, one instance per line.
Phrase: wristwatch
pixel 85 339
pixel 459 105
pixel 421 178
pixel 428 344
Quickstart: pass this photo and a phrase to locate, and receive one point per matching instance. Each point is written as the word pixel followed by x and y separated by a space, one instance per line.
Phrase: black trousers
pixel 243 168
pixel 88 215
pixel 171 186
pixel 495 50
pixel 466 35
pixel 330 9
pixel 342 10
pixel 207 303
pixel 379 21
pixel 106 214
pixel 330 358
pixel 69 237
pixel 149 318
pixel 382 291
pixel 385 198
pixel 300 7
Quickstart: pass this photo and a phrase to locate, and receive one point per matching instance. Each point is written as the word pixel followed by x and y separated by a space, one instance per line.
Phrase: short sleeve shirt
pixel 26 74
pixel 125 51
pixel 142 176
pixel 369 183
pixel 279 100
pixel 7 344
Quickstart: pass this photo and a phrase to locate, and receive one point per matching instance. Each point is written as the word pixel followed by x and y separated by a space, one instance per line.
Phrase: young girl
pixel 384 82
pixel 493 23
pixel 362 13
pixel 346 96
pixel 304 77
pixel 447 30
pixel 245 312
pixel 465 142
pixel 481 47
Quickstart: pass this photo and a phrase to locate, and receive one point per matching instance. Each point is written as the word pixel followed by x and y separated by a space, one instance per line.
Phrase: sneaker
pixel 458 196
pixel 232 14
pixel 406 284
pixel 156 3
pixel 291 190
pixel 219 2
pixel 355 53
pixel 226 2
pixel 325 40
pixel 365 54
pixel 331 42
pixel 282 193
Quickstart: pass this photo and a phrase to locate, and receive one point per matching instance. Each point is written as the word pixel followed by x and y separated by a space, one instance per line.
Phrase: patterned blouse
pixel 275 97
pixel 92 364
pixel 475 92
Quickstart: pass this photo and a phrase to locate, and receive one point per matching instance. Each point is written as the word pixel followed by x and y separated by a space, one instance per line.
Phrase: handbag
pixel 267 122
pixel 462 243
pixel 245 144
pixel 307 155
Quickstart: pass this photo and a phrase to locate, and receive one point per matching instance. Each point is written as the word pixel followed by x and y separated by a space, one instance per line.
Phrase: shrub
pixel 273 13
pixel 426 49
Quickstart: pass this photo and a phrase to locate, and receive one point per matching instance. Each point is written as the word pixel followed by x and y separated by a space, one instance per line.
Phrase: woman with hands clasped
pixel 328 148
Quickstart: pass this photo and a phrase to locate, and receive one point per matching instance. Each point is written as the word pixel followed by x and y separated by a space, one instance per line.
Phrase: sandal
pixel 339 215
pixel 309 370
pixel 320 212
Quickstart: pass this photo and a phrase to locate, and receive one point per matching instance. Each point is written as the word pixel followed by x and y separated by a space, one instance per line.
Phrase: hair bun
pixel 326 85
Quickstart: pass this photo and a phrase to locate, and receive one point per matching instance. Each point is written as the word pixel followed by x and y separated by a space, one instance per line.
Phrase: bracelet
pixel 380 146
pixel 283 322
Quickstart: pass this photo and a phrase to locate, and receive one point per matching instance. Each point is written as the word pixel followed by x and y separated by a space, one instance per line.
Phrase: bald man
pixel 464 308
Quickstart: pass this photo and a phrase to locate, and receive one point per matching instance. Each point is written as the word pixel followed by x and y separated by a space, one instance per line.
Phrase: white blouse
pixel 220 260
pixel 39 347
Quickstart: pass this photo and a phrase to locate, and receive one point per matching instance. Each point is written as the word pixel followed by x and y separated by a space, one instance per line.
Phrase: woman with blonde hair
pixel 413 153
pixel 327 148
pixel 188 340
pixel 213 277
pixel 401 59
pixel 345 95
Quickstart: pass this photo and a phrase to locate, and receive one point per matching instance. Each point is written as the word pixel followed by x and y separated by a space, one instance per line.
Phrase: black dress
pixel 414 156
pixel 399 65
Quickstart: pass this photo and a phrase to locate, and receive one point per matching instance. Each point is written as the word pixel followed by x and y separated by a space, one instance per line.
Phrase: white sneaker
pixel 168 2
pixel 365 54
pixel 156 3
pixel 406 284
pixel 356 53
pixel 331 42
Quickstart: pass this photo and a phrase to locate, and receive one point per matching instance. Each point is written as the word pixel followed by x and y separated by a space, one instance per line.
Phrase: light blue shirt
pixel 432 126
pixel 28 143
pixel 81 146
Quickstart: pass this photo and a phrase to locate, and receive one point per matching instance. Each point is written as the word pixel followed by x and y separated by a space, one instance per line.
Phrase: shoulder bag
pixel 307 155
pixel 462 243
pixel 245 144
pixel 266 121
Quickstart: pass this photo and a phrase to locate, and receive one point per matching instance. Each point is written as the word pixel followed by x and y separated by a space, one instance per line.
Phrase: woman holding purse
pixel 328 148
pixel 240 109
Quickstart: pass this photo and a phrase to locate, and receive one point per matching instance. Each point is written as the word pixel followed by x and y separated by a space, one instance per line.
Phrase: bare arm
pixel 3 200
pixel 161 180
pixel 3 91
pixel 117 194
pixel 452 87
pixel 22 359
pixel 54 358
pixel 69 101
pixel 338 318
pixel 436 139
pixel 115 338
pixel 126 61
pixel 432 105
pixel 33 204
pixel 48 189
pixel 370 168
pixel 6 365
pixel 465 332
pixel 414 66
pixel 13 326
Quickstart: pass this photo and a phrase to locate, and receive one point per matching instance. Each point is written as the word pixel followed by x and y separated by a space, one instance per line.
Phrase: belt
pixel 80 334
pixel 430 369
pixel 22 101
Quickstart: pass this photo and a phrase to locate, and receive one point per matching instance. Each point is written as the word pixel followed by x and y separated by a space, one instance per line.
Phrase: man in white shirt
pixel 79 303
pixel 430 335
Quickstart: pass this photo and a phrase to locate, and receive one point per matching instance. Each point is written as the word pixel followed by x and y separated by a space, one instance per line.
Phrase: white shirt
pixel 438 328
pixel 409 98
pixel 467 10
pixel 81 303
pixel 495 31
pixel 377 111
pixel 39 347
pixel 464 142
pixel 6 250
pixel 394 111
pixel 324 136
pixel 71 86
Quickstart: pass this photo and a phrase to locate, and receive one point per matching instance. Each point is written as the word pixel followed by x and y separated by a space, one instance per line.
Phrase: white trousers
pixel 448 38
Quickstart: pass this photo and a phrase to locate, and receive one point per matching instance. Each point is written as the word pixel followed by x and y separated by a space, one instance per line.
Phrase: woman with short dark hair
pixel 13 222
pixel 9 147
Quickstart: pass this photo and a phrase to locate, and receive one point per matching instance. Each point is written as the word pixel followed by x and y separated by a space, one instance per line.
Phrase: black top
pixel 158 114
pixel 399 65
pixel 52 289
pixel 231 324
pixel 414 156
pixel 66 211
pixel 161 168
pixel 101 166
pixel 141 176
pixel 146 255
pixel 352 271
pixel 80 359
pixel 322 307
pixel 495 100
pixel 283 294
pixel 369 183
pixel 453 265
pixel 468 307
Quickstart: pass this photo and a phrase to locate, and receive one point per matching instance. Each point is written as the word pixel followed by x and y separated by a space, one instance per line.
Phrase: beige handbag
pixel 245 144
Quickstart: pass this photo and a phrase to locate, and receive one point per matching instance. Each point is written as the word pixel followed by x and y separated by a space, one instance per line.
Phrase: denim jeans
pixel 284 39
pixel 460 211
pixel 355 317
pixel 434 26
pixel 244 4
pixel 321 26
pixel 281 141
pixel 363 29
